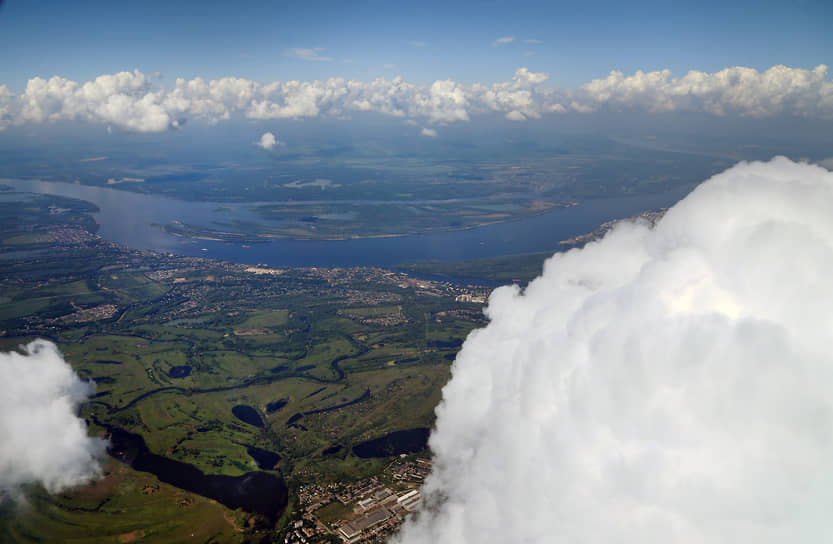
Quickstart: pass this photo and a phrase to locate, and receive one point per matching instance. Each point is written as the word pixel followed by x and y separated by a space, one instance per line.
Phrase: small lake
pixel 179 371
pixel 247 414
pixel 127 218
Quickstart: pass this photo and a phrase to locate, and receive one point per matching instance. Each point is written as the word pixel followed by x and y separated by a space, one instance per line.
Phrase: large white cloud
pixel 666 385
pixel 738 90
pixel 127 100
pixel 41 438
pixel 132 101
pixel 521 98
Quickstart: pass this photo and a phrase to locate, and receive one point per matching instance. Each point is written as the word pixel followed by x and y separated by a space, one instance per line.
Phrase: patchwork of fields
pixel 321 360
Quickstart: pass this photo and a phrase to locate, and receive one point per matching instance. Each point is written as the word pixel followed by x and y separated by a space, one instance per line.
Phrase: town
pixel 363 511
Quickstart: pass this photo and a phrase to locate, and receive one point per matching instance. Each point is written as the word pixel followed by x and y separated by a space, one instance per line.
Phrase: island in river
pixel 340 221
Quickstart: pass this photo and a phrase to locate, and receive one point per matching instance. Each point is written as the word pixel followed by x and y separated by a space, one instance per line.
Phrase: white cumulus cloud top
pixel 665 385
pixel 133 101
pixel 41 438
pixel 267 141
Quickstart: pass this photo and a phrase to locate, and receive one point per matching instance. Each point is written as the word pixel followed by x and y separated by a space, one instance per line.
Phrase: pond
pixel 179 371
pixel 395 443
pixel 247 414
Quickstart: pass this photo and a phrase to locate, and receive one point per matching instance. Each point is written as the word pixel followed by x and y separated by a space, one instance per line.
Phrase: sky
pixel 469 41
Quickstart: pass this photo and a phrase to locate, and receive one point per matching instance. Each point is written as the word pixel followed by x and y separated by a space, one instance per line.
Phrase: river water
pixel 127 218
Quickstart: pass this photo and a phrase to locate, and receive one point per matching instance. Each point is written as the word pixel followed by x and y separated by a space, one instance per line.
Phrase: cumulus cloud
pixel 313 54
pixel 267 141
pixel 430 132
pixel 520 99
pixel 41 438
pixel 504 40
pixel 126 100
pixel 660 385
pixel 136 102
pixel 445 102
pixel 738 90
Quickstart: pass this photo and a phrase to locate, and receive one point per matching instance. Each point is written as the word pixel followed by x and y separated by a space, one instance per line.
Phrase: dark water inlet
pixel 395 443
pixel 408 360
pixel 315 392
pixel 276 405
pixel 265 460
pixel 332 450
pixel 254 492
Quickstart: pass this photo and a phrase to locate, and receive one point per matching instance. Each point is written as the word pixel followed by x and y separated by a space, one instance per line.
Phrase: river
pixel 127 218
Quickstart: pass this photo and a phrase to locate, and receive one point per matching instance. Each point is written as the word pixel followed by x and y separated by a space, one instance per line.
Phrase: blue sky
pixel 572 41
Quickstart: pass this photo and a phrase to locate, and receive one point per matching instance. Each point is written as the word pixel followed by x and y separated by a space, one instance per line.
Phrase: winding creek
pixel 254 492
